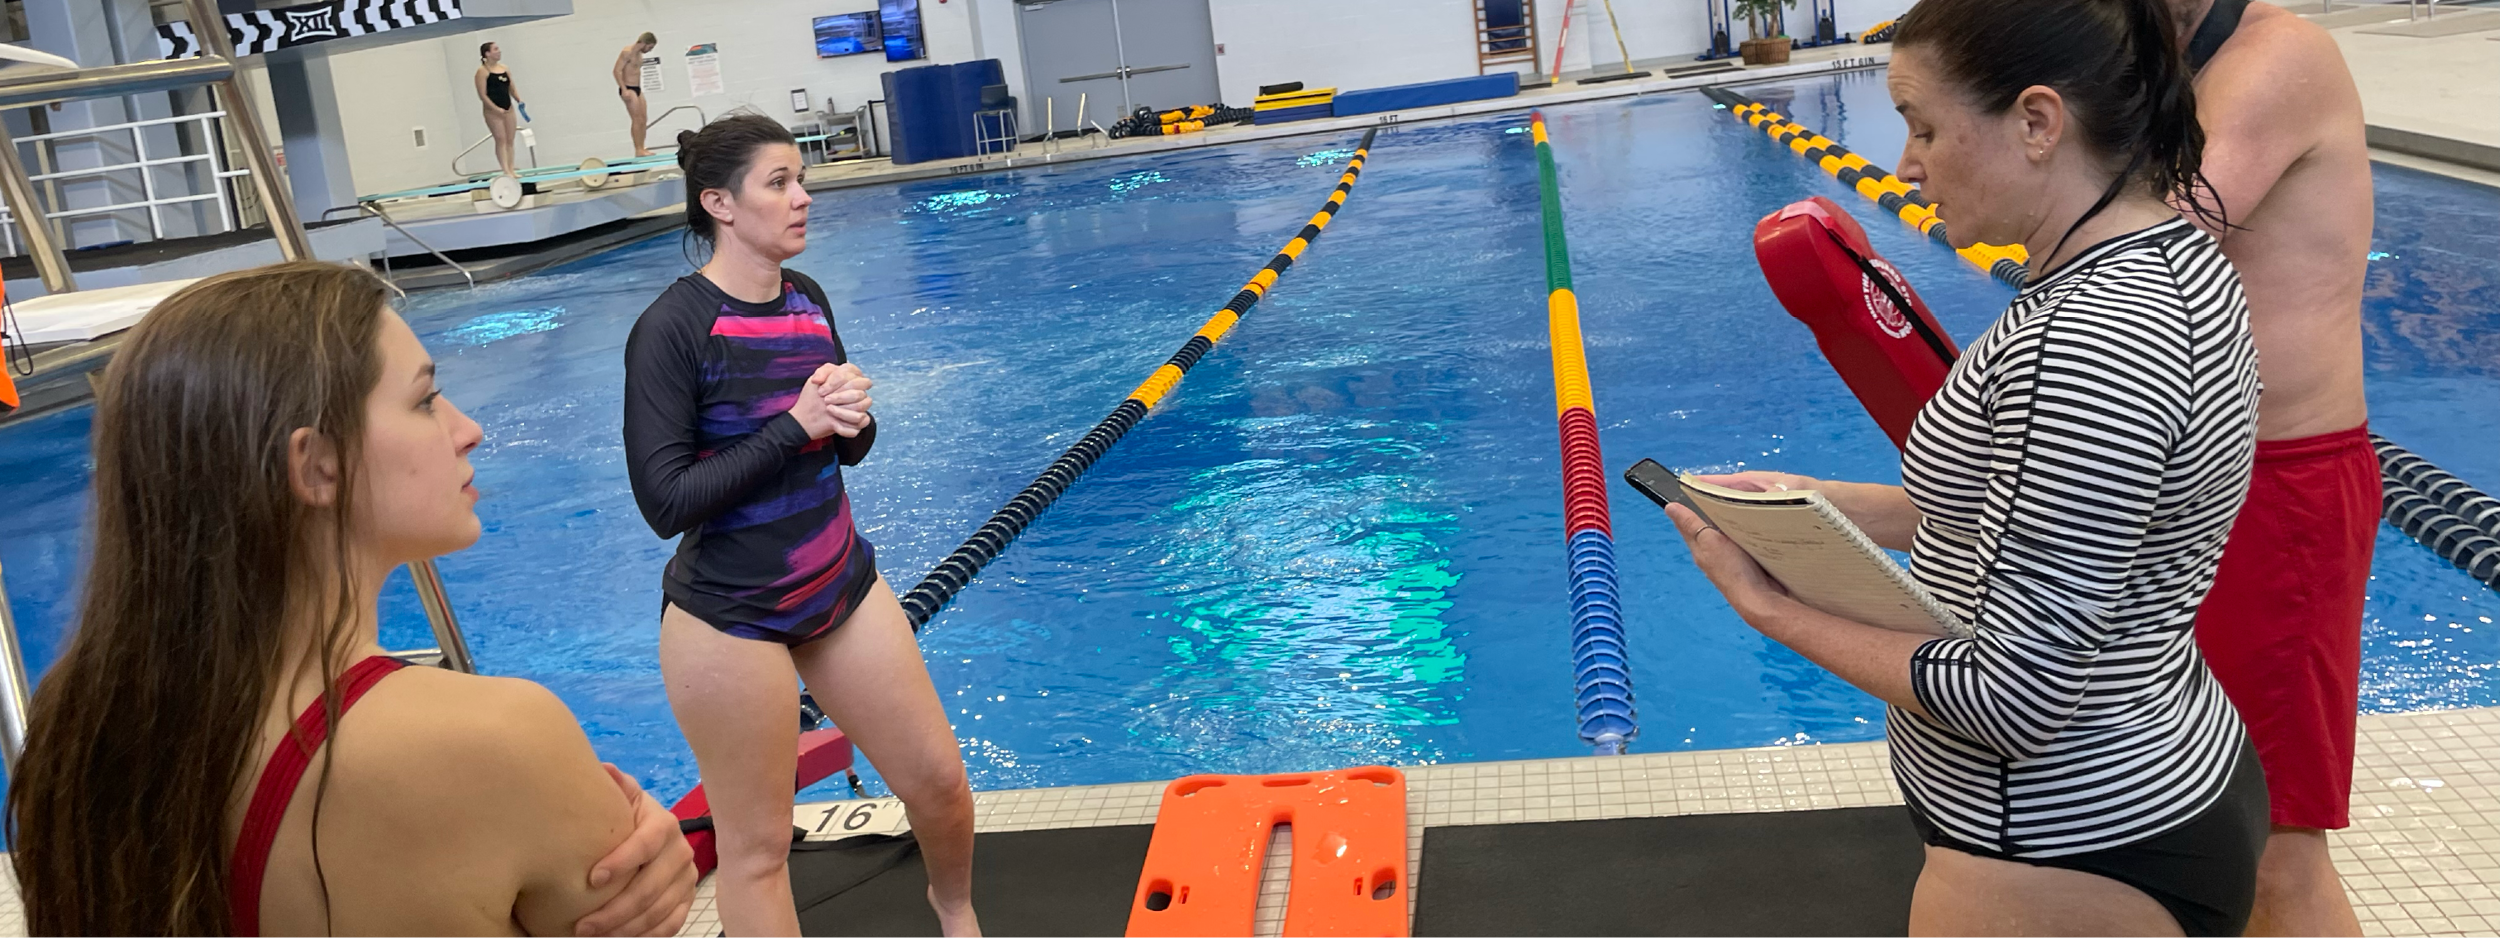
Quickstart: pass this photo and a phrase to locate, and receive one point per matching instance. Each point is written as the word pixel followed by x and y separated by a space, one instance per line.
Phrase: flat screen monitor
pixel 847 34
pixel 899 20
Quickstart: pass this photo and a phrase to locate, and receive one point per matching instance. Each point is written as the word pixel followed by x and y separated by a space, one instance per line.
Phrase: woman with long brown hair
pixel 269 444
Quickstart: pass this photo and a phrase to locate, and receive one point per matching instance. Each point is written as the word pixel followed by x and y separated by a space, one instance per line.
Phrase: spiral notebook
pixel 1823 559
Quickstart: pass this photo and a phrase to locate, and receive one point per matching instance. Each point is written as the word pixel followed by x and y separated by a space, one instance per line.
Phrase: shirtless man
pixel 628 74
pixel 2282 628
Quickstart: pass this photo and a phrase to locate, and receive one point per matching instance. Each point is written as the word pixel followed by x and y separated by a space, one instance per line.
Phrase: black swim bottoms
pixel 2204 872
pixel 637 89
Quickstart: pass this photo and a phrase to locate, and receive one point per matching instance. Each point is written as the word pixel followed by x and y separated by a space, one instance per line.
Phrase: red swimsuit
pixel 277 787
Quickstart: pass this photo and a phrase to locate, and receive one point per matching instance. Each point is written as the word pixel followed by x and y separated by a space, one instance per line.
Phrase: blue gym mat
pixel 1427 94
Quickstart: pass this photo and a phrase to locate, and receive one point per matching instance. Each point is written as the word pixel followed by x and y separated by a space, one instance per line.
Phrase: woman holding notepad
pixel 2071 764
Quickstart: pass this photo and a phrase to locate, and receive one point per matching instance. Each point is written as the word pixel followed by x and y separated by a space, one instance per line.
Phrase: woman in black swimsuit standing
pixel 496 91
pixel 741 408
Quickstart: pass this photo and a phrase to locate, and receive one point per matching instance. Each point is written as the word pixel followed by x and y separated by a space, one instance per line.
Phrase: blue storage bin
pixel 929 108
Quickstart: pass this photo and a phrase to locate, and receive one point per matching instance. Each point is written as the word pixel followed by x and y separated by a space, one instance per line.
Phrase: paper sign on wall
pixel 703 70
pixel 651 76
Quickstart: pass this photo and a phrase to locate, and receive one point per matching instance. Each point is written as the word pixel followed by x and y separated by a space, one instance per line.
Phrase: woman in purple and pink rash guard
pixel 741 408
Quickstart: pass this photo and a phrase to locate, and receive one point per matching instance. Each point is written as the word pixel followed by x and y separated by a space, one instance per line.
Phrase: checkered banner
pixel 262 31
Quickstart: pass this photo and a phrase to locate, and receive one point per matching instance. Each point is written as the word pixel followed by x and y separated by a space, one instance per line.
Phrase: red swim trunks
pixel 2282 628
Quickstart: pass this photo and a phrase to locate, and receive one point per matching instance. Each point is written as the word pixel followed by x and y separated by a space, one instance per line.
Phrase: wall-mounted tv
pixel 899 20
pixel 847 34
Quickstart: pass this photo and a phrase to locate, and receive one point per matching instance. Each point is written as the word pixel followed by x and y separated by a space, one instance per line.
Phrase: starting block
pixel 1210 846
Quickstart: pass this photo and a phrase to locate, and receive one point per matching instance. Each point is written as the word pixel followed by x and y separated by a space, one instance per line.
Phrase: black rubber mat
pixel 1845 871
pixel 1072 881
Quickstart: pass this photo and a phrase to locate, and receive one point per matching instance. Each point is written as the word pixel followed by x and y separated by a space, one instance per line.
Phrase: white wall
pixel 1345 44
pixel 560 67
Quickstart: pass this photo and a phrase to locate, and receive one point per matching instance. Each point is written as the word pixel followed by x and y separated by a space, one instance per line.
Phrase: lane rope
pixel 2455 520
pixel 1601 661
pixel 955 572
pixel 1877 184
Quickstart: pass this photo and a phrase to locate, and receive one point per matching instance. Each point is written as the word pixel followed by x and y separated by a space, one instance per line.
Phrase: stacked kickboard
pixel 1294 105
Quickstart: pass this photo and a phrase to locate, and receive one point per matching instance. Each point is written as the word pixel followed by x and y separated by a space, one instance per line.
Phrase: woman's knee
pixel 939 782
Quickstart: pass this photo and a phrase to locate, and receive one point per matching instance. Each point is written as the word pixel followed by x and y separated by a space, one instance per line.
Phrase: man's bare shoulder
pixel 2278 71
pixel 2275 43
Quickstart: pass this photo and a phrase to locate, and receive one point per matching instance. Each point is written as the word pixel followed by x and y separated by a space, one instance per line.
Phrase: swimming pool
pixel 1339 541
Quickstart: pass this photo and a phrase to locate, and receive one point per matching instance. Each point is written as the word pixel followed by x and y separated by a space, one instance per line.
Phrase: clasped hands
pixel 834 402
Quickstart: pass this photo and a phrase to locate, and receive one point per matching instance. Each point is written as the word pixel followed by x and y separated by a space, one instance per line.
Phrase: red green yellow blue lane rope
pixel 1601 663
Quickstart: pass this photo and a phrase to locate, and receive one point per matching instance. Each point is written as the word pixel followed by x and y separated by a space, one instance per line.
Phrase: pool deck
pixel 2422 856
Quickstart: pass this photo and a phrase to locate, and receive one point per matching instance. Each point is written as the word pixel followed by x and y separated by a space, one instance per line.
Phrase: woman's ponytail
pixel 2116 63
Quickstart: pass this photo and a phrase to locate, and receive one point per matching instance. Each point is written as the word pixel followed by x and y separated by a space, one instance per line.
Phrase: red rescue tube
pixel 1822 268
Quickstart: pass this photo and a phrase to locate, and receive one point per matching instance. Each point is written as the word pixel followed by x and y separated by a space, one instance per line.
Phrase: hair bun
pixel 685 138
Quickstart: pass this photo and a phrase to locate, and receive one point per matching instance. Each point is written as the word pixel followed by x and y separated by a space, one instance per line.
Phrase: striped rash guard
pixel 770 551
pixel 2077 475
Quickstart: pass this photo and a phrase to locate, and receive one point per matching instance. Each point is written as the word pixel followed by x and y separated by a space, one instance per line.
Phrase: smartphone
pixel 1658 482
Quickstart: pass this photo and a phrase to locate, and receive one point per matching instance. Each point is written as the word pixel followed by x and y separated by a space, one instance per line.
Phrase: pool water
pixel 1340 540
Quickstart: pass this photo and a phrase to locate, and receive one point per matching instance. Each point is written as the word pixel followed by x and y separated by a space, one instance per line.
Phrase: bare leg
pixel 2298 892
pixel 868 676
pixel 1960 894
pixel 732 696
pixel 637 108
pixel 499 124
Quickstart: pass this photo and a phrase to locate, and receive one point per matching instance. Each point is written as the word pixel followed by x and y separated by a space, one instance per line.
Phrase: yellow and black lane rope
pixel 957 570
pixel 2004 262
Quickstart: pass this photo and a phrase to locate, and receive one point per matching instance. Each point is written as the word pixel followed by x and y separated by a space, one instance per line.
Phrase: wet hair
pixel 718 156
pixel 2115 63
pixel 142 735
pixel 647 39
pixel 483 48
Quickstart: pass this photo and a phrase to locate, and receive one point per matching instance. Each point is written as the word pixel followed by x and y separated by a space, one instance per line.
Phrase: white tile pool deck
pixel 2422 856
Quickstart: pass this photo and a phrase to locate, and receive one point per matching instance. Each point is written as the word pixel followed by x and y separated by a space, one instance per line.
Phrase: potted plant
pixel 1767 26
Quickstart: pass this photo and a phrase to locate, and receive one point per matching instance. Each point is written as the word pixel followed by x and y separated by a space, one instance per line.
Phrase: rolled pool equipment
pixel 1601 662
pixel 952 574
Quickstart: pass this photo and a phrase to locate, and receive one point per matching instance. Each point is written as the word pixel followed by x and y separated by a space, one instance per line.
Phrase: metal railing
pixel 377 212
pixel 14 689
pixel 144 165
pixel 529 141
pixel 214 66
pixel 670 143
pixel 525 138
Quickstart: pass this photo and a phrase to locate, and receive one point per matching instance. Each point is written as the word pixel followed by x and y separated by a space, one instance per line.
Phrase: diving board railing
pixel 214 66
pixel 528 142
pixel 145 166
pixel 671 143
